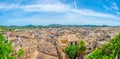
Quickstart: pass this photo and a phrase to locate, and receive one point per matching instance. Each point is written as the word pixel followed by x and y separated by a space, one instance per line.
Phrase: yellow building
pixel 66 40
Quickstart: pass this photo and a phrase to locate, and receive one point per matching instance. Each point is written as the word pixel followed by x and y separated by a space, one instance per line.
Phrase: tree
pixel 119 54
pixel 6 51
pixel 81 49
pixel 109 50
pixel 1 30
pixel 116 45
pixel 20 52
pixel 71 51
pixel 5 48
pixel 97 53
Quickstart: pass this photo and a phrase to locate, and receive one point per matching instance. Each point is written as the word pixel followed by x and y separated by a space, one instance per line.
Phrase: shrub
pixel 20 52
pixel 5 48
pixel 71 51
pixel 107 51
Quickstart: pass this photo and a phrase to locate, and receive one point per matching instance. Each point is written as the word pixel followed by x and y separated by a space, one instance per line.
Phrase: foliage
pixel 5 48
pixel 107 51
pixel 6 51
pixel 76 50
pixel 81 48
pixel 1 30
pixel 20 52
pixel 71 51
pixel 81 45
pixel 97 52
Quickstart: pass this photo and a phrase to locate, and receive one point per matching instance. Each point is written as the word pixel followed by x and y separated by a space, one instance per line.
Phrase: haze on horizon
pixel 44 12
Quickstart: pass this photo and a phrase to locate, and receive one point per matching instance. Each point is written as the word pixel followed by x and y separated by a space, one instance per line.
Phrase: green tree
pixel 95 54
pixel 6 51
pixel 107 51
pixel 71 52
pixel 5 48
pixel 81 49
pixel 1 30
pixel 20 52
pixel 119 54
pixel 116 44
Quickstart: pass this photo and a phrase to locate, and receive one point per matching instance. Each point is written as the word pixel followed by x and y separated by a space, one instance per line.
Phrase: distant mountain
pixel 53 26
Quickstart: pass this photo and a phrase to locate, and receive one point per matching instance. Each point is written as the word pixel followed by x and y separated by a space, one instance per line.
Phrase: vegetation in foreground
pixel 109 50
pixel 76 51
pixel 6 51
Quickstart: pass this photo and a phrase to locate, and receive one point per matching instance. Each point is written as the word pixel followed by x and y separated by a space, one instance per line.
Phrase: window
pixel 75 43
pixel 71 43
pixel 89 48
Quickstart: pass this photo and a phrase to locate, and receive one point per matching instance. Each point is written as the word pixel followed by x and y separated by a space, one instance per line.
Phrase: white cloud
pixel 54 8
pixel 71 15
pixel 9 6
pixel 45 8
pixel 88 12
pixel 118 12
pixel 74 19
pixel 114 6
pixel 46 1
pixel 106 7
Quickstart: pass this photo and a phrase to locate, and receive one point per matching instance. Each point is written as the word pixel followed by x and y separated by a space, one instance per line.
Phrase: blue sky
pixel 45 12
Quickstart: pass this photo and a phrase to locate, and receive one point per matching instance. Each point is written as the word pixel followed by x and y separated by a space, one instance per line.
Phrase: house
pixel 67 40
pixel 91 45
pixel 64 41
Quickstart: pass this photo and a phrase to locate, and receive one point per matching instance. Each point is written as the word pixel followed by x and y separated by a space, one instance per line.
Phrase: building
pixel 64 41
pixel 67 40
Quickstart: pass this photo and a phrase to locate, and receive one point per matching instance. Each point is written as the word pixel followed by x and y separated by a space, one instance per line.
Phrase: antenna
pixel 75 6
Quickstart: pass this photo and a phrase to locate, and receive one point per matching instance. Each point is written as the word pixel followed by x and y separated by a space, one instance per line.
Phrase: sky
pixel 65 12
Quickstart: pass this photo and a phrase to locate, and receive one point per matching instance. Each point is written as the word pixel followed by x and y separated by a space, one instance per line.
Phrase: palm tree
pixel 81 49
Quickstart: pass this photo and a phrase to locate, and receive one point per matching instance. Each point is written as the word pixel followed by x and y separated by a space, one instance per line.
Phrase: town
pixel 50 43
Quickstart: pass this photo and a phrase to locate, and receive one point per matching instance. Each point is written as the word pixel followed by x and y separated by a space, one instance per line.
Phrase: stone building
pixel 65 41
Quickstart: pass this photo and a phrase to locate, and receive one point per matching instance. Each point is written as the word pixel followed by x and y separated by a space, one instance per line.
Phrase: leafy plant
pixel 81 49
pixel 76 50
pixel 5 48
pixel 107 51
pixel 71 51
pixel 6 51
pixel 20 52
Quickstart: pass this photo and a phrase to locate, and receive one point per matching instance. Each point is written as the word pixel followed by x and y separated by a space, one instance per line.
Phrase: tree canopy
pixel 76 51
pixel 107 51
pixel 71 51
pixel 6 51
pixel 5 48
